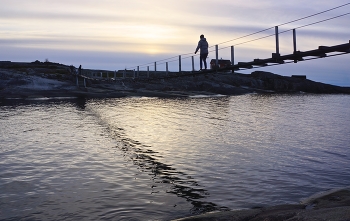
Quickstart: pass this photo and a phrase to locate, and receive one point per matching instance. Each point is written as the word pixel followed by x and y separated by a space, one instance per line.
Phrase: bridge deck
pixel 275 59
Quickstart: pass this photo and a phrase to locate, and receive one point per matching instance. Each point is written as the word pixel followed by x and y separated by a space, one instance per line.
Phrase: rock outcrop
pixel 332 206
pixel 22 80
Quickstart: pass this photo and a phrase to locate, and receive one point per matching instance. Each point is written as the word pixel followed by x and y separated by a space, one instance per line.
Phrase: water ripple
pixel 149 159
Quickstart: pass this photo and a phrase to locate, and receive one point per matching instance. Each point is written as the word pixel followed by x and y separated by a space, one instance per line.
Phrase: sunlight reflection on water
pixel 168 158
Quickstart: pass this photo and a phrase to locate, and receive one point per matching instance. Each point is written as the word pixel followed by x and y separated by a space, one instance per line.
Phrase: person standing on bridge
pixel 203 47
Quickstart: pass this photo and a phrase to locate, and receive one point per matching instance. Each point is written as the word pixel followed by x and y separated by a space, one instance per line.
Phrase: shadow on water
pixel 182 184
pixel 147 161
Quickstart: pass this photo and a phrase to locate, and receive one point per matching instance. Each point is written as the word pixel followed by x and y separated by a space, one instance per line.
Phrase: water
pixel 161 159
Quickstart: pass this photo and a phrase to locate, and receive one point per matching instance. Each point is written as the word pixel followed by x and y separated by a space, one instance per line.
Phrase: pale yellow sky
pixel 157 29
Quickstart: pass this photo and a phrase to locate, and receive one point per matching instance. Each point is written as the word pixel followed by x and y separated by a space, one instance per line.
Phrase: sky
pixel 116 34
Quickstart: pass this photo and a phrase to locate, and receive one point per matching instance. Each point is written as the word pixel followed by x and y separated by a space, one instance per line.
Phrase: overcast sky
pixel 116 34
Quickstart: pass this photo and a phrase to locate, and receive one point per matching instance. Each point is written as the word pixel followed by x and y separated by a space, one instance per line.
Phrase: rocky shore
pixel 47 79
pixel 333 205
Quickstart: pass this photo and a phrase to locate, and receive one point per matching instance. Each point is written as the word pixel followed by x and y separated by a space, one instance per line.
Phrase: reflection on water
pixel 149 158
pixel 182 185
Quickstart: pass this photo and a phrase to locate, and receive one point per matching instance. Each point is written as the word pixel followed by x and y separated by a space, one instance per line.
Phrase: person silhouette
pixel 203 47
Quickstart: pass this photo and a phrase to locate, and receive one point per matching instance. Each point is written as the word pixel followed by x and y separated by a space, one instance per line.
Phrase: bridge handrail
pixel 174 58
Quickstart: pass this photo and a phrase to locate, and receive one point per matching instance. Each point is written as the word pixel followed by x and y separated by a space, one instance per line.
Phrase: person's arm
pixel 198 47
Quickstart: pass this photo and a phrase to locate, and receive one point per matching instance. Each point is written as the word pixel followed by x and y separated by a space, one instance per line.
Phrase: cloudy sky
pixel 116 34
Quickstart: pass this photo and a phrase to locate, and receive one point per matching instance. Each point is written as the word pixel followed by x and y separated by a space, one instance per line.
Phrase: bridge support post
pixel 138 71
pixel 277 42
pixel 179 63
pixel 294 41
pixel 147 71
pixel 166 68
pixel 155 67
pixel 217 57
pixel 192 63
pixel 232 57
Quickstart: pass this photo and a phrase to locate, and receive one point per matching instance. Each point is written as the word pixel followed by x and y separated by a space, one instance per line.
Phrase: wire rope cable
pixel 248 35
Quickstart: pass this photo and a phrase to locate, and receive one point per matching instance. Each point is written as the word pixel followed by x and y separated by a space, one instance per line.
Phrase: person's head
pixel 202 36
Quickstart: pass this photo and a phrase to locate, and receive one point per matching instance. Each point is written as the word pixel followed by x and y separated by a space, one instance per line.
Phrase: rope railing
pixel 181 57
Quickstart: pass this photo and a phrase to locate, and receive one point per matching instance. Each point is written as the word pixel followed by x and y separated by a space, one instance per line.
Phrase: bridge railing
pixel 185 63
pixel 161 67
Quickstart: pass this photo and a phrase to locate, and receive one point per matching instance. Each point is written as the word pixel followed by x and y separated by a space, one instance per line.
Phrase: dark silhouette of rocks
pixel 43 79
pixel 332 206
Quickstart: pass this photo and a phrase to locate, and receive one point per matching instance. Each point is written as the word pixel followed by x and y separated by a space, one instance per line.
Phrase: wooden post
pixel 134 74
pixel 277 42
pixel 101 74
pixel 217 57
pixel 115 75
pixel 232 57
pixel 138 71
pixel 179 63
pixel 192 63
pixel 148 71
pixel 294 41
pixel 155 67
pixel 167 68
pixel 124 73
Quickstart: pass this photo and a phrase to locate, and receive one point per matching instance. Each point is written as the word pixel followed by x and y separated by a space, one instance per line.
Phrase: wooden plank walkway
pixel 276 59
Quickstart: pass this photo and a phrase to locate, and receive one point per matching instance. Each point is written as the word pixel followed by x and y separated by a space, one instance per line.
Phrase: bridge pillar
pixel 192 63
pixel 295 45
pixel 232 57
pixel 155 66
pixel 166 68
pixel 294 41
pixel 179 63
pixel 217 57
pixel 277 41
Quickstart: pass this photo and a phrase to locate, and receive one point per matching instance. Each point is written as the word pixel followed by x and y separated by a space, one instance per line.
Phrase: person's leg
pixel 200 61
pixel 204 58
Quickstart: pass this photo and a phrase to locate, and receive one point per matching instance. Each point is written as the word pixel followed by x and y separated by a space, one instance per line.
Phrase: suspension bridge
pixel 276 58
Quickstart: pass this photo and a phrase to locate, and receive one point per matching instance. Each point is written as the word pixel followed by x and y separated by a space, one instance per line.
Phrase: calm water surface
pixel 161 159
